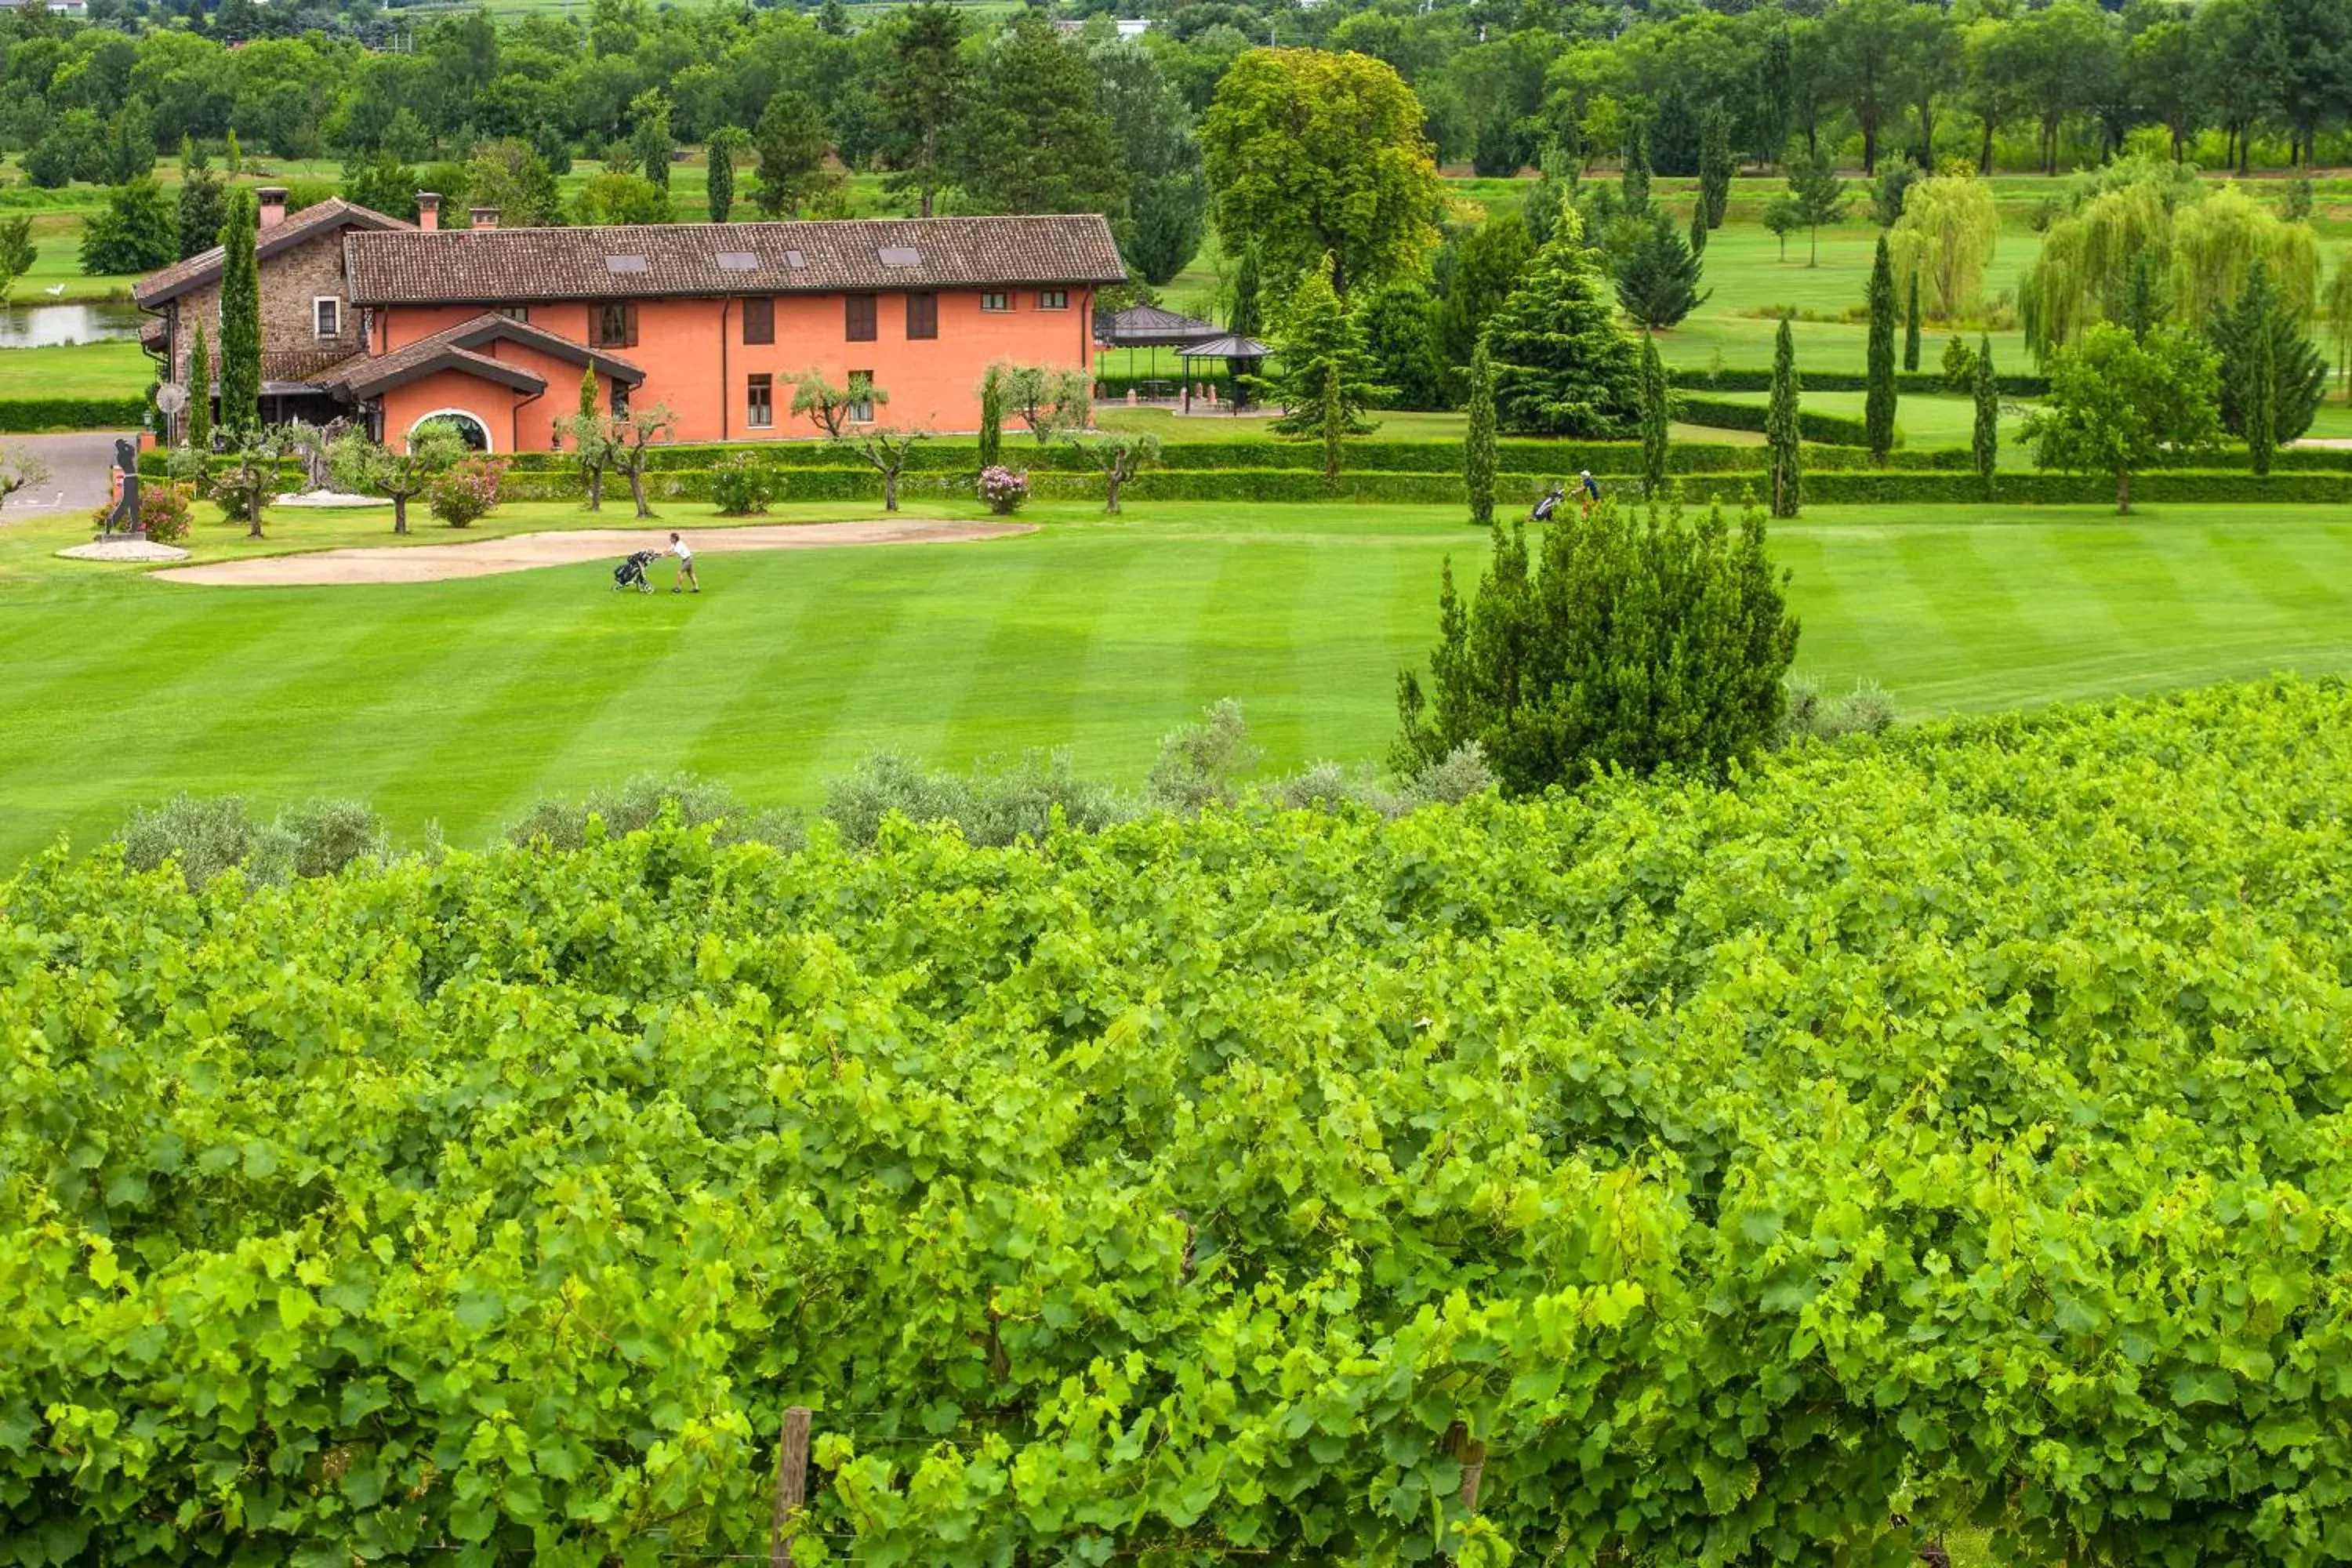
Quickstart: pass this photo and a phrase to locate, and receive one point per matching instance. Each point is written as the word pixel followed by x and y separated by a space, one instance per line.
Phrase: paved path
pixel 524 551
pixel 79 468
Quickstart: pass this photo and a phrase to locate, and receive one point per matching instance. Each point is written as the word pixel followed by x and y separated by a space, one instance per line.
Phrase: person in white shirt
pixel 686 576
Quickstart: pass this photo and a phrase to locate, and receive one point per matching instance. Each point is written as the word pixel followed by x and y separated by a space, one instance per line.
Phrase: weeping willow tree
pixel 2203 241
pixel 1945 239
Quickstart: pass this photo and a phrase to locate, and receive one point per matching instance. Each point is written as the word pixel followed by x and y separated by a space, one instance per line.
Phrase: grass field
pixel 462 700
pixel 114 369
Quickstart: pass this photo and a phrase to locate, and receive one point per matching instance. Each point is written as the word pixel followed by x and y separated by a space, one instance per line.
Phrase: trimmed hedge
pixel 23 416
pixel 1915 380
pixel 1829 429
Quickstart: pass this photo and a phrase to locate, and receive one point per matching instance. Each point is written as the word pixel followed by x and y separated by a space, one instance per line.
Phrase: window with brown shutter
pixel 758 320
pixel 860 318
pixel 922 315
pixel 613 324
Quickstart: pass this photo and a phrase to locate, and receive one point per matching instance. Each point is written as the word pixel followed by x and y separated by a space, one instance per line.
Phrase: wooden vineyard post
pixel 792 1483
pixel 1474 1463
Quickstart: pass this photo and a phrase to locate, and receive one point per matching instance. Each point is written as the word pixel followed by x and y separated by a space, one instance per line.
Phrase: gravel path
pixel 79 469
pixel 525 552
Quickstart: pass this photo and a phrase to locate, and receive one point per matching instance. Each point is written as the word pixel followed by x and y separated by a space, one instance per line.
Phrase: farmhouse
pixel 367 316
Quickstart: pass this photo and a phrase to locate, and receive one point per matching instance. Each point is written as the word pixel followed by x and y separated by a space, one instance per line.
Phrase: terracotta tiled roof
pixel 643 261
pixel 452 348
pixel 309 223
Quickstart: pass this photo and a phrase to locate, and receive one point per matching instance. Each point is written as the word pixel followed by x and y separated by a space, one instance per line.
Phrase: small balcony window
pixel 861 398
pixel 613 324
pixel 759 404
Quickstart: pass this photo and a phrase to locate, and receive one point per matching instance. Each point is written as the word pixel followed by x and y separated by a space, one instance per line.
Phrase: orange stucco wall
pixel 517 421
pixel 695 362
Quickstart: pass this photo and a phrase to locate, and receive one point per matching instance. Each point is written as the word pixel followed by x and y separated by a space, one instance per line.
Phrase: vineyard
pixel 1942 1132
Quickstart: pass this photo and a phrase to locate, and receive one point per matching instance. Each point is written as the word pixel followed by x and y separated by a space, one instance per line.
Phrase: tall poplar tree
pixel 1911 327
pixel 1478 447
pixel 2262 403
pixel 1878 394
pixel 1247 316
pixel 240 338
pixel 1635 180
pixel 924 87
pixel 1985 443
pixel 1716 167
pixel 1653 416
pixel 1780 432
pixel 718 174
pixel 992 418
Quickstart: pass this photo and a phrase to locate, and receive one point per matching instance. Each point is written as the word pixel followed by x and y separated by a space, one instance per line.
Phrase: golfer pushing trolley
pixel 631 574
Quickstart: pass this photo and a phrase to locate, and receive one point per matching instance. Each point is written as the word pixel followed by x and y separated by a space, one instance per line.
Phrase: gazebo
pixel 1241 356
pixel 1150 327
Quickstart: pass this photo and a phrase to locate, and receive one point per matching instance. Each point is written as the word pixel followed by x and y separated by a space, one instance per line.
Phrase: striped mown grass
pixel 463 701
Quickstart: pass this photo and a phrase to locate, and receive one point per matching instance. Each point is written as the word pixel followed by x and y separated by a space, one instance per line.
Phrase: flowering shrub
pixel 1005 489
pixel 742 485
pixel 467 491
pixel 165 512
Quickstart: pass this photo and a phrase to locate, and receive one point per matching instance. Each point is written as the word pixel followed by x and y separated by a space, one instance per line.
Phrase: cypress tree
pixel 588 392
pixel 1653 416
pixel 1780 426
pixel 1248 318
pixel 1986 444
pixel 240 337
pixel 1636 180
pixel 1878 396
pixel 1478 447
pixel 1911 327
pixel 1698 227
pixel 2262 403
pixel 200 393
pixel 719 175
pixel 991 419
pixel 1335 424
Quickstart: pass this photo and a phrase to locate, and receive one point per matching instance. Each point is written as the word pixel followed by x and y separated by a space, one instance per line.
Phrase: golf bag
pixel 1548 504
pixel 631 574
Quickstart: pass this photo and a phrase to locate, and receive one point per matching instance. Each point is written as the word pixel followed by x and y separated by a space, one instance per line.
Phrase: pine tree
pixel 1911 327
pixel 1657 277
pixel 1322 364
pixel 991 419
pixel 1878 396
pixel 1716 166
pixel 2267 355
pixel 1247 316
pixel 1478 447
pixel 718 174
pixel 1984 446
pixel 1653 416
pixel 200 393
pixel 1563 364
pixel 240 336
pixel 1636 178
pixel 1780 426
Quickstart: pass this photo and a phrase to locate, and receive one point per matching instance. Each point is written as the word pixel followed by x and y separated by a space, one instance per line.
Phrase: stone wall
pixel 290 349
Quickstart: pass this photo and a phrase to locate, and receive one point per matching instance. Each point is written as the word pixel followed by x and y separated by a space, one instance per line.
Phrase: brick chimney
pixel 483 217
pixel 428 210
pixel 273 205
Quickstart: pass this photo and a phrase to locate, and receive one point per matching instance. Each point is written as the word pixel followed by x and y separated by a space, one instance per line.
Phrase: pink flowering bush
pixel 1005 491
pixel 469 490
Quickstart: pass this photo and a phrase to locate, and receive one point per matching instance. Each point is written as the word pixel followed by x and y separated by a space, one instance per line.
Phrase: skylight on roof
pixel 625 264
pixel 794 259
pixel 738 261
pixel 899 256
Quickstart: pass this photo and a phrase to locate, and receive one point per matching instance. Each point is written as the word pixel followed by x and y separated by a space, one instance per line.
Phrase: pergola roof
pixel 1148 326
pixel 1226 347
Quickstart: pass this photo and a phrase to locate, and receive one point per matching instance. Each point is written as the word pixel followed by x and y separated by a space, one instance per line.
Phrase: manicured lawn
pixel 462 700
pixel 114 369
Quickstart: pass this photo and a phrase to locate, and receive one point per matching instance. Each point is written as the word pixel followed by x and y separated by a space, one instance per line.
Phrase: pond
pixel 36 326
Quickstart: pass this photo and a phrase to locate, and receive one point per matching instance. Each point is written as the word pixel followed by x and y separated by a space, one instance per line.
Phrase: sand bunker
pixel 526 552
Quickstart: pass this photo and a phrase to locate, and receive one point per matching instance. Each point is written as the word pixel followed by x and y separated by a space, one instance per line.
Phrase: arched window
pixel 470 429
